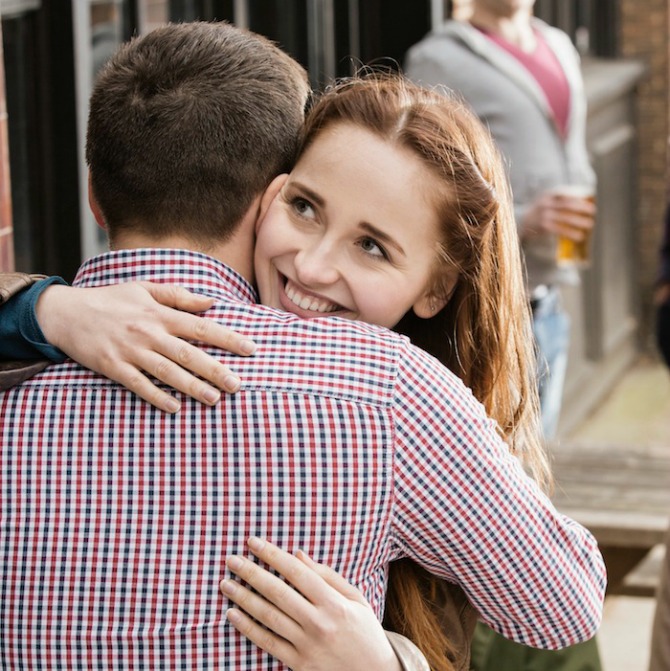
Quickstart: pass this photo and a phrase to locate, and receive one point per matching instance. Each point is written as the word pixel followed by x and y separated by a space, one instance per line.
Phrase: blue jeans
pixel 551 325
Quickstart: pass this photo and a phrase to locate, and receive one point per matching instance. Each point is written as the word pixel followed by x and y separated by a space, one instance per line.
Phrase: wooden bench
pixel 621 494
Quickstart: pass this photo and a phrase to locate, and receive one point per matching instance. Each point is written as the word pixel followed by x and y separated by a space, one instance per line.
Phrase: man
pixel 522 78
pixel 117 519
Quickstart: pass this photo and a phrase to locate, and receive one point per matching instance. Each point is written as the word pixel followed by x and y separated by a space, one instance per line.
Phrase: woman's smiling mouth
pixel 309 302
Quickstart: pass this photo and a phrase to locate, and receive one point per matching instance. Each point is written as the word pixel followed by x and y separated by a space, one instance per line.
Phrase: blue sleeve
pixel 20 335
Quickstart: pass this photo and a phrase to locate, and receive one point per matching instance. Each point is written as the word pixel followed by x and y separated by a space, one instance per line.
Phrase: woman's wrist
pixel 49 313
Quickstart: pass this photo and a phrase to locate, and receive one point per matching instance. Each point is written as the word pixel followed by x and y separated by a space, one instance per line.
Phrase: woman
pixel 444 262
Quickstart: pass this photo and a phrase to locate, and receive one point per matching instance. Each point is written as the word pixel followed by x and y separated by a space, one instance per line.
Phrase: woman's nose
pixel 316 265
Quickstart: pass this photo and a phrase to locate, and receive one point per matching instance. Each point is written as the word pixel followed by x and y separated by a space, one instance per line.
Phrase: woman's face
pixel 351 232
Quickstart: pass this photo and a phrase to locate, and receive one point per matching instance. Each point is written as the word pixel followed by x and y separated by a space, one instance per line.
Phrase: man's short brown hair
pixel 187 125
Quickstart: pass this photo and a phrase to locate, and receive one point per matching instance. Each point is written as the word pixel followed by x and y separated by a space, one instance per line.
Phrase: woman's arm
pixel 129 331
pixel 317 621
pixel 20 334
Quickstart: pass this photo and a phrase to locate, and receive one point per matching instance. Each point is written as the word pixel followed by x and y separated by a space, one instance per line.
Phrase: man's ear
pixel 270 194
pixel 95 207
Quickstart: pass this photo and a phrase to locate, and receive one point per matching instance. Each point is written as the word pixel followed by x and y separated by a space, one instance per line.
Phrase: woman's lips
pixel 308 302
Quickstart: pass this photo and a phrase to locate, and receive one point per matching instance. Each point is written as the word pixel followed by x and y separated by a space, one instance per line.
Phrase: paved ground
pixel 624 636
pixel 636 413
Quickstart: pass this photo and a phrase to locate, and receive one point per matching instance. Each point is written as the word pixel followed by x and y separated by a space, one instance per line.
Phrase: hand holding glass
pixel 576 211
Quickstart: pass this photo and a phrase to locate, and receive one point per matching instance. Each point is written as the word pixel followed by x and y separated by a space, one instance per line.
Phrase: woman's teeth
pixel 308 302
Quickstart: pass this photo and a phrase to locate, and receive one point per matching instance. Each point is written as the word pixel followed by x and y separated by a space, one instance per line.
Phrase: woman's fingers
pixel 318 622
pixel 262 610
pixel 305 574
pixel 175 296
pixel 129 332
pixel 272 588
pixel 333 578
pixel 265 639
pixel 173 375
pixel 174 361
pixel 136 381
pixel 181 302
pixel 298 573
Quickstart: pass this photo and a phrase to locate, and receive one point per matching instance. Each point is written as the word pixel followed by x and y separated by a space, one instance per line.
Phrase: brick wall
pixel 6 241
pixel 644 34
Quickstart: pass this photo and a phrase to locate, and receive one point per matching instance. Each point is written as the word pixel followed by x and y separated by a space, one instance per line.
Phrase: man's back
pixel 344 441
pixel 117 519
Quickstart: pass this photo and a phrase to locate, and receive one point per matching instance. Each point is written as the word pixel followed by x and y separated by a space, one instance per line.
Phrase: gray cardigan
pixel 511 103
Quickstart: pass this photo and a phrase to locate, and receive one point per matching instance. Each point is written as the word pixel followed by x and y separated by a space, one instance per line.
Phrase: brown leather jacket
pixel 15 372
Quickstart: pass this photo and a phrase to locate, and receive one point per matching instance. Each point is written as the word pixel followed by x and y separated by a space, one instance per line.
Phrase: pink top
pixel 546 69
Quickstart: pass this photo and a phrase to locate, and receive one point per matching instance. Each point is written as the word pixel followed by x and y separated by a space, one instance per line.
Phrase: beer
pixel 571 252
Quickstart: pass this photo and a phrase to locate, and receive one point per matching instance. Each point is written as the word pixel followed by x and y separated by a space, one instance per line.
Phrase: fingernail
pixel 172 405
pixel 255 543
pixel 212 396
pixel 233 616
pixel 234 563
pixel 247 346
pixel 231 383
pixel 304 557
pixel 228 587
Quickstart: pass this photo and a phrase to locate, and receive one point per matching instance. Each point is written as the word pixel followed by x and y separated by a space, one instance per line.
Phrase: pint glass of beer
pixel 572 252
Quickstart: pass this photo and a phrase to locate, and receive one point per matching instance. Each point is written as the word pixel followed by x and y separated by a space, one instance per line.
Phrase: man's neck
pixel 235 253
pixel 514 27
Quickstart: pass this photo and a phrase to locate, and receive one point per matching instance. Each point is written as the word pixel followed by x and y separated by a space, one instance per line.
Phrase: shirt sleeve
pixel 20 334
pixel 465 509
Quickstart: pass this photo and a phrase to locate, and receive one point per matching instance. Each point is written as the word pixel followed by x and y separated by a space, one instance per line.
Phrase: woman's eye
pixel 373 248
pixel 302 207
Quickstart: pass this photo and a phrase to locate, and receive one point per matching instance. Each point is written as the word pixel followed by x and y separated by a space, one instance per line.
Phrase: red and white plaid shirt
pixel 345 441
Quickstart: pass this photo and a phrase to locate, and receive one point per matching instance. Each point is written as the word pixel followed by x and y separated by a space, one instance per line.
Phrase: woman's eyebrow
pixel 383 237
pixel 365 225
pixel 312 195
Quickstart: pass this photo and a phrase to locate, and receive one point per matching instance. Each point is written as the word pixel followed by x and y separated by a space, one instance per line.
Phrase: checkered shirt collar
pixel 195 271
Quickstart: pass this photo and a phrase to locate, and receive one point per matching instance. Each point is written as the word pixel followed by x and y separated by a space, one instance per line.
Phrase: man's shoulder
pixel 264 319
pixel 282 333
pixel 323 356
pixel 546 28
pixel 453 46
pixel 558 39
pixel 451 32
